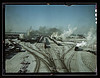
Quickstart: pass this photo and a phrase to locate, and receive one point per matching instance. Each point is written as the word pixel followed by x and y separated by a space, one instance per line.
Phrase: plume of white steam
pixel 83 43
pixel 91 37
pixel 67 33
pixel 21 36
pixel 54 34
pixel 30 30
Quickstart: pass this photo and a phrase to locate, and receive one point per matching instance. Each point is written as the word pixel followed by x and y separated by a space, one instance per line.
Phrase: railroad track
pixel 68 69
pixel 36 70
pixel 53 40
pixel 62 63
pixel 89 66
pixel 48 64
pixel 41 51
pixel 52 61
pixel 41 59
pixel 47 57
pixel 69 61
pixel 62 57
pixel 70 45
pixel 38 51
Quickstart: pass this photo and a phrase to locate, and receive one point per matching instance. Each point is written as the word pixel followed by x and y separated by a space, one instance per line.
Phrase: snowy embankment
pixel 13 65
pixel 82 61
pixel 90 60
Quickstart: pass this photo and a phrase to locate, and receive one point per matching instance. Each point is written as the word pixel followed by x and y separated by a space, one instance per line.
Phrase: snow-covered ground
pixel 81 61
pixel 13 65
pixel 77 61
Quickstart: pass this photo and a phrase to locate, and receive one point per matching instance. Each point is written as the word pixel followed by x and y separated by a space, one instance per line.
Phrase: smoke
pixel 67 33
pixel 91 37
pixel 55 34
pixel 90 34
pixel 29 30
pixel 83 43
pixel 21 36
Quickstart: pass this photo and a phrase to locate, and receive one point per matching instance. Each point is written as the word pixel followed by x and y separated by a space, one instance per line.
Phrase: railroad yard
pixel 48 55
pixel 49 38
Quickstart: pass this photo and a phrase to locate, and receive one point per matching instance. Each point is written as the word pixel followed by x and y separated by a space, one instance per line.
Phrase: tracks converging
pixel 47 57
pixel 51 58
pixel 62 57
pixel 67 67
pixel 49 62
pixel 39 58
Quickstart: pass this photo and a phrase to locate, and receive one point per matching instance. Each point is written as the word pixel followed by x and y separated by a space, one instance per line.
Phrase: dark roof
pixel 15 33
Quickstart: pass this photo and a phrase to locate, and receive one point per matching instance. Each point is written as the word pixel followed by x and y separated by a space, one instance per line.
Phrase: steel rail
pixel 90 68
pixel 46 63
pixel 69 61
pixel 37 65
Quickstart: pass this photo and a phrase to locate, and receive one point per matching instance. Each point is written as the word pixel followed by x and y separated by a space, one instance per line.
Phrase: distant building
pixel 13 34
pixel 21 36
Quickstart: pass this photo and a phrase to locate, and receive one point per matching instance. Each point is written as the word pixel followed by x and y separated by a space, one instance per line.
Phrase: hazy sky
pixel 21 17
